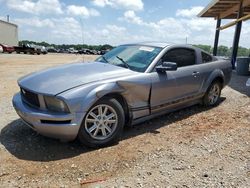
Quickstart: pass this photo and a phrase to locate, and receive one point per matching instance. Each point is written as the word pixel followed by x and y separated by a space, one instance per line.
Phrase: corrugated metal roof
pixel 225 9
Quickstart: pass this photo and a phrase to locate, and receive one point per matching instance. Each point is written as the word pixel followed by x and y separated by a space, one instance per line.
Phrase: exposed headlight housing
pixel 55 104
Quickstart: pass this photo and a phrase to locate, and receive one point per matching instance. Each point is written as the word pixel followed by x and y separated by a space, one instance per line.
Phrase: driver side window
pixel 181 56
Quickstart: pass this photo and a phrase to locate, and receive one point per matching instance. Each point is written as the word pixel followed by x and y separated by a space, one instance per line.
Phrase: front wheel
pixel 103 124
pixel 212 95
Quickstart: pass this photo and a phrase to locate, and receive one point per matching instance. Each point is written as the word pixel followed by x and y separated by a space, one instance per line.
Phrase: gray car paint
pixel 146 94
pixel 55 80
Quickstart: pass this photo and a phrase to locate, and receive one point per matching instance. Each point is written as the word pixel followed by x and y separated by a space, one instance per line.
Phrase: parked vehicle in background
pixel 82 51
pixel 1 49
pixel 27 49
pixel 94 52
pixel 104 52
pixel 126 86
pixel 72 51
pixel 52 50
pixel 7 49
pixel 86 51
pixel 44 50
pixel 89 52
pixel 62 51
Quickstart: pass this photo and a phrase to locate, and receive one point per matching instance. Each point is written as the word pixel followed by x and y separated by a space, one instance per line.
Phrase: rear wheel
pixel 103 124
pixel 212 95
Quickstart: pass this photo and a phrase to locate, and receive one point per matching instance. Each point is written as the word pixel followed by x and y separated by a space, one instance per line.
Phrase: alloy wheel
pixel 101 122
pixel 214 94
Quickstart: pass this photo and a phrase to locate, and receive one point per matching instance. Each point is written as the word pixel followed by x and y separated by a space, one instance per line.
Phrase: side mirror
pixel 166 66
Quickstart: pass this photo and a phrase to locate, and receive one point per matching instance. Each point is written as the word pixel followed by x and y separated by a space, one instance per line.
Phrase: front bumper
pixel 56 125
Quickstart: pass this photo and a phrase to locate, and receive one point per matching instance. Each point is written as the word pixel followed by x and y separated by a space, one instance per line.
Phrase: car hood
pixel 56 80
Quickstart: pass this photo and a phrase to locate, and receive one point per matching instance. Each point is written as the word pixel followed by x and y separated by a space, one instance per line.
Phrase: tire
pixel 95 130
pixel 212 96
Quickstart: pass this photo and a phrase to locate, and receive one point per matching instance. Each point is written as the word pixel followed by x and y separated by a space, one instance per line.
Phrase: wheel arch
pixel 122 100
pixel 113 100
pixel 219 79
pixel 109 90
pixel 215 75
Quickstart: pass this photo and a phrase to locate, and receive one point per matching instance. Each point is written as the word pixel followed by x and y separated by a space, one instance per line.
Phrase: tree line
pixel 222 50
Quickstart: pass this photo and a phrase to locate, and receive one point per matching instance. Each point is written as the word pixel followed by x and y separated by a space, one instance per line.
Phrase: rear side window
pixel 206 58
pixel 182 56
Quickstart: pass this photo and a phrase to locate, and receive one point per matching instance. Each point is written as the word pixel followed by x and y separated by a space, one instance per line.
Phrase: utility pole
pixel 82 37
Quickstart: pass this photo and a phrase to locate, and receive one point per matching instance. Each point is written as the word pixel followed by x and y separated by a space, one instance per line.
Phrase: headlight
pixel 55 104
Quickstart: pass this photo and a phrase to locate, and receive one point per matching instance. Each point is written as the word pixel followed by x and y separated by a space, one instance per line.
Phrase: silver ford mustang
pixel 130 84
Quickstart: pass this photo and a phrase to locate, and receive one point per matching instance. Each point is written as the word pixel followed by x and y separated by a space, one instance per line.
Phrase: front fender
pixel 135 90
pixel 80 99
pixel 105 89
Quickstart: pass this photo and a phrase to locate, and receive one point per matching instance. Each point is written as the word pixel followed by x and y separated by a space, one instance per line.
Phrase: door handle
pixel 195 73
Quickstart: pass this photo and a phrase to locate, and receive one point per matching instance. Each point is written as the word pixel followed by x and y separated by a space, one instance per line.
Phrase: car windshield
pixel 134 57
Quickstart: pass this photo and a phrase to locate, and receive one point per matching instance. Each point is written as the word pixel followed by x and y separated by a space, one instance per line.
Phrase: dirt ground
pixel 193 147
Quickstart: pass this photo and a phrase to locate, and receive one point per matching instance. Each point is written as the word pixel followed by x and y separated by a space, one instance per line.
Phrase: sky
pixel 116 21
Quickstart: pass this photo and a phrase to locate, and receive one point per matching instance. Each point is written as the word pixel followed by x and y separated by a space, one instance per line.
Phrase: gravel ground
pixel 193 147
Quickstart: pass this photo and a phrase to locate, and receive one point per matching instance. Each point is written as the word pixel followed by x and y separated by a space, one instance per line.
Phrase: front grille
pixel 30 98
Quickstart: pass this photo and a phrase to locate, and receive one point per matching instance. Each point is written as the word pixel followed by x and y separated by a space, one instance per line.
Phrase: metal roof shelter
pixel 239 10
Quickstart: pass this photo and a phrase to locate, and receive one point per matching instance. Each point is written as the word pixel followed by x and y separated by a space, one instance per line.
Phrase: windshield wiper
pixel 124 62
pixel 104 58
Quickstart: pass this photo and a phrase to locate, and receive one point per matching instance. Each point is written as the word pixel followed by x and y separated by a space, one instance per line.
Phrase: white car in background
pixel 72 51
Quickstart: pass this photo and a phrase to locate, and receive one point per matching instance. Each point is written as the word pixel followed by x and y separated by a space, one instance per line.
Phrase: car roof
pixel 161 44
pixel 154 44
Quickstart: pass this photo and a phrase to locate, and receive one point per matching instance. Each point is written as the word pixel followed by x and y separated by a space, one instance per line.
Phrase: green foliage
pixel 243 51
pixel 206 48
pixel 223 51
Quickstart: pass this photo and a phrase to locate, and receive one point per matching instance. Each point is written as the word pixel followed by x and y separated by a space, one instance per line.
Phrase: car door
pixel 183 83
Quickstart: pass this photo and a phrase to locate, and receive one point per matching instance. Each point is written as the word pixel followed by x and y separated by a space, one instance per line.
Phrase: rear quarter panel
pixel 211 70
